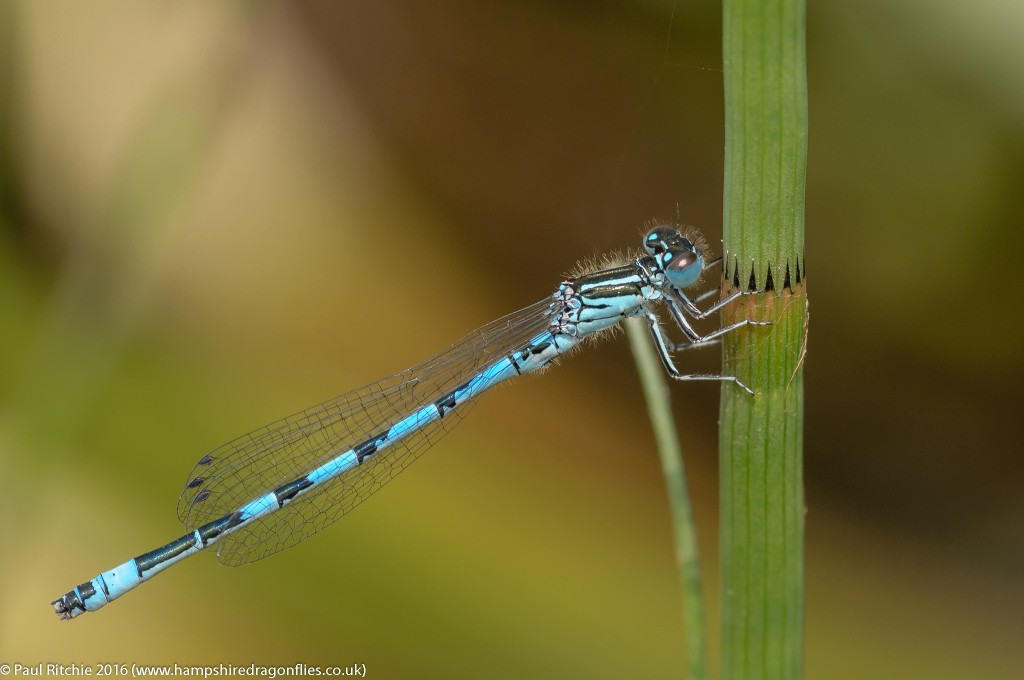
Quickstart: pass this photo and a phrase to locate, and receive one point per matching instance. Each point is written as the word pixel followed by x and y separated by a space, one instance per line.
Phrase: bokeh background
pixel 215 214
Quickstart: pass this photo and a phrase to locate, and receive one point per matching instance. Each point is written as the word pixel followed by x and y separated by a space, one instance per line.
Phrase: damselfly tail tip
pixel 62 607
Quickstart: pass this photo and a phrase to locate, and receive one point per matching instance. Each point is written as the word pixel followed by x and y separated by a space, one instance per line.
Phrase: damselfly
pixel 274 487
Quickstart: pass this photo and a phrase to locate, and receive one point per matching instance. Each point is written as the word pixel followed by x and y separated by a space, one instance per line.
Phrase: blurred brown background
pixel 214 214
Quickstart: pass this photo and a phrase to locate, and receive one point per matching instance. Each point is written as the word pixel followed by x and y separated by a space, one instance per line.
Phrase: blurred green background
pixel 215 214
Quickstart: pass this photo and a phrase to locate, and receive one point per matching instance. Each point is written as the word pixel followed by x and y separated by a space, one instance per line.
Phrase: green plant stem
pixel 761 437
pixel 656 394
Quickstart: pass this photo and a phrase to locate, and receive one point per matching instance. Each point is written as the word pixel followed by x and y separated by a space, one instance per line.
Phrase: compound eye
pixel 685 267
pixel 682 261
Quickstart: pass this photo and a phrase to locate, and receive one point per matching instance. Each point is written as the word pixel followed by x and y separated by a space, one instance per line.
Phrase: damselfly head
pixel 676 255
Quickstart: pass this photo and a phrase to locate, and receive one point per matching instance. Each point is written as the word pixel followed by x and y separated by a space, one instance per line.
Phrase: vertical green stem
pixel 761 438
pixel 656 393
